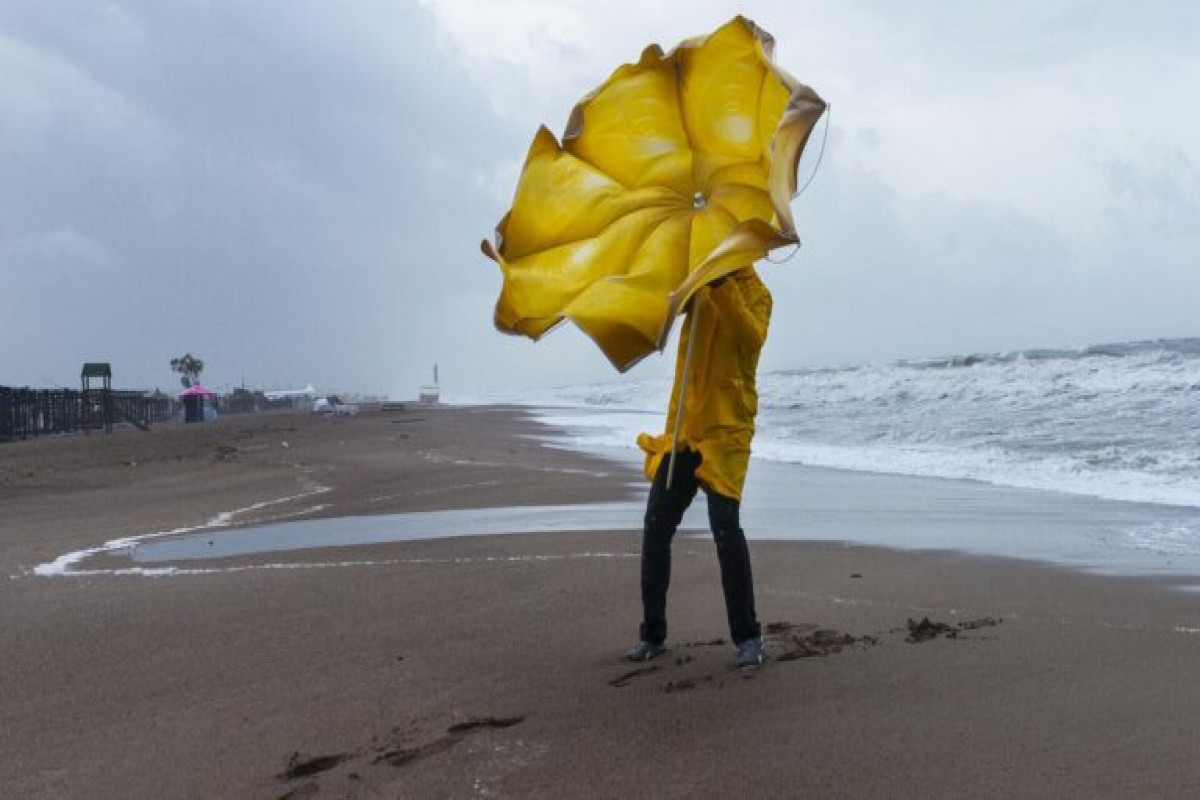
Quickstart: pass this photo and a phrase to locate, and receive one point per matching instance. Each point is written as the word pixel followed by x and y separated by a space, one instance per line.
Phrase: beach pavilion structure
pixel 193 399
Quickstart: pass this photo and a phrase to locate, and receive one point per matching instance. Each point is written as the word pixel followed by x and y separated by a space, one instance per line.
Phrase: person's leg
pixel 736 578
pixel 664 510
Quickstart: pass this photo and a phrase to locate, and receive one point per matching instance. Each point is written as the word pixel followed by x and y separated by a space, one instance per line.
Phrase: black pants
pixel 664 510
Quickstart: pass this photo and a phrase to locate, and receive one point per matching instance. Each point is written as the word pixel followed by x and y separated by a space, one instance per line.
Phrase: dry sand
pixel 490 666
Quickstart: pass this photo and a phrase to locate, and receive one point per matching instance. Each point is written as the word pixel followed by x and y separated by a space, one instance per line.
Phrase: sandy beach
pixel 491 665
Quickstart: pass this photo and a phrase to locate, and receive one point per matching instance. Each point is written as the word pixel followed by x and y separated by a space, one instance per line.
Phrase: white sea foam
pixel 172 571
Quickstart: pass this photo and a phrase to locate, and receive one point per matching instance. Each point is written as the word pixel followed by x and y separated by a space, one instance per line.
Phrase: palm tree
pixel 189 368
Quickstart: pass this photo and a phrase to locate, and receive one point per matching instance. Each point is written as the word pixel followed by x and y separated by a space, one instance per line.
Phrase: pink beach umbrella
pixel 197 389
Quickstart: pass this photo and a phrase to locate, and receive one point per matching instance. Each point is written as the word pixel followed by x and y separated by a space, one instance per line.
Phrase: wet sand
pixel 489 666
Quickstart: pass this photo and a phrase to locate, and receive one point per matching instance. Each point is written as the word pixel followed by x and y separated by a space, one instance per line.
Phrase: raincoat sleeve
pixel 747 308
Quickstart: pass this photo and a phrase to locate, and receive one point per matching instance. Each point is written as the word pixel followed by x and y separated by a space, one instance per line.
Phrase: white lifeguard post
pixel 429 395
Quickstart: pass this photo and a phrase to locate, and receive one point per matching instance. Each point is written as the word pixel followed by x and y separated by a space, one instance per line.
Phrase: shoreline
pixel 492 664
pixel 1092 535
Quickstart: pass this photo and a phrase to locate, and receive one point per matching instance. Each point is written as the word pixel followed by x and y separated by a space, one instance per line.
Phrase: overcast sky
pixel 295 190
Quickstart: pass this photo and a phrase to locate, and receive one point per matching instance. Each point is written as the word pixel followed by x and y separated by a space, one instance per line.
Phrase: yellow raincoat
pixel 730 326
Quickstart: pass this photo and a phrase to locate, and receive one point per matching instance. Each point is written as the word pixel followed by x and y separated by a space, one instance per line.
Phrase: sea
pixel 1114 421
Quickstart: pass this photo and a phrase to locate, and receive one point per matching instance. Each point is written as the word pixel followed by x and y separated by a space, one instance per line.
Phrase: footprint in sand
pixel 624 680
pixel 926 630
pixel 399 757
pixel 300 767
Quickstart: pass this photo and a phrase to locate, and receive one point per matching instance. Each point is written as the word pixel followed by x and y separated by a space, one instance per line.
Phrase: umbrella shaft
pixel 687 371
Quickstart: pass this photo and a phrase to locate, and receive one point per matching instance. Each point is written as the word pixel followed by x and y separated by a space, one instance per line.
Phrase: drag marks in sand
pixel 923 612
pixel 391 751
pixel 786 641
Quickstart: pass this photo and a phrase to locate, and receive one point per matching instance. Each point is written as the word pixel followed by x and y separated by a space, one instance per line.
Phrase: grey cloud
pixel 296 191
pixel 262 175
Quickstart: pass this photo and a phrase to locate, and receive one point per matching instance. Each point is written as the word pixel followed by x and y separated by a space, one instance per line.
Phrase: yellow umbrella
pixel 678 170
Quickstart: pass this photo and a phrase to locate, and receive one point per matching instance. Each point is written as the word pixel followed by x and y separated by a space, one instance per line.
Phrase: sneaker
pixel 644 651
pixel 750 652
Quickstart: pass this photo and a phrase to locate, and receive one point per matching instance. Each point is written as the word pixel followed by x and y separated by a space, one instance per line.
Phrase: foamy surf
pixel 1119 422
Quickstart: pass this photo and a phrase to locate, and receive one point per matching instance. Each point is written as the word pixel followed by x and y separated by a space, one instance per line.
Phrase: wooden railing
pixel 28 412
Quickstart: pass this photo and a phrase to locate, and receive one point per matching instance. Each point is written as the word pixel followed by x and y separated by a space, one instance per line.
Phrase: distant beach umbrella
pixel 197 390
pixel 678 170
pixel 193 399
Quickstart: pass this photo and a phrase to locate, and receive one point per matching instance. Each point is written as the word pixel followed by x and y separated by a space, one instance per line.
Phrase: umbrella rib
pixel 566 148
pixel 731 217
pixel 762 87
pixel 567 315
pixel 716 195
pixel 683 117
pixel 641 245
pixel 594 236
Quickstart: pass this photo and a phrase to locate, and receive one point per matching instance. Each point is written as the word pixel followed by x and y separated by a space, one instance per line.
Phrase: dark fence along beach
pixel 28 412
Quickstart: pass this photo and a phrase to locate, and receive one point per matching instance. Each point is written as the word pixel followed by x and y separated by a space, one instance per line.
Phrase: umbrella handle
pixel 687 369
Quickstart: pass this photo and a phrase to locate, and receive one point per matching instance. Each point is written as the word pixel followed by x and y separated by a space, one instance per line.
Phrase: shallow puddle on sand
pixel 350 531
pixel 790 503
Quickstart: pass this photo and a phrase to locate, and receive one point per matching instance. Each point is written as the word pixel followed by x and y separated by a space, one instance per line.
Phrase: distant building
pixel 429 395
pixel 291 398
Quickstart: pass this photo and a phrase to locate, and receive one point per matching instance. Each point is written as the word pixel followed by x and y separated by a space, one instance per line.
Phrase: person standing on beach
pixel 728 321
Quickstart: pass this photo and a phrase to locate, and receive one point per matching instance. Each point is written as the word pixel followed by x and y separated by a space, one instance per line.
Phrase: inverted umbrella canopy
pixel 677 170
